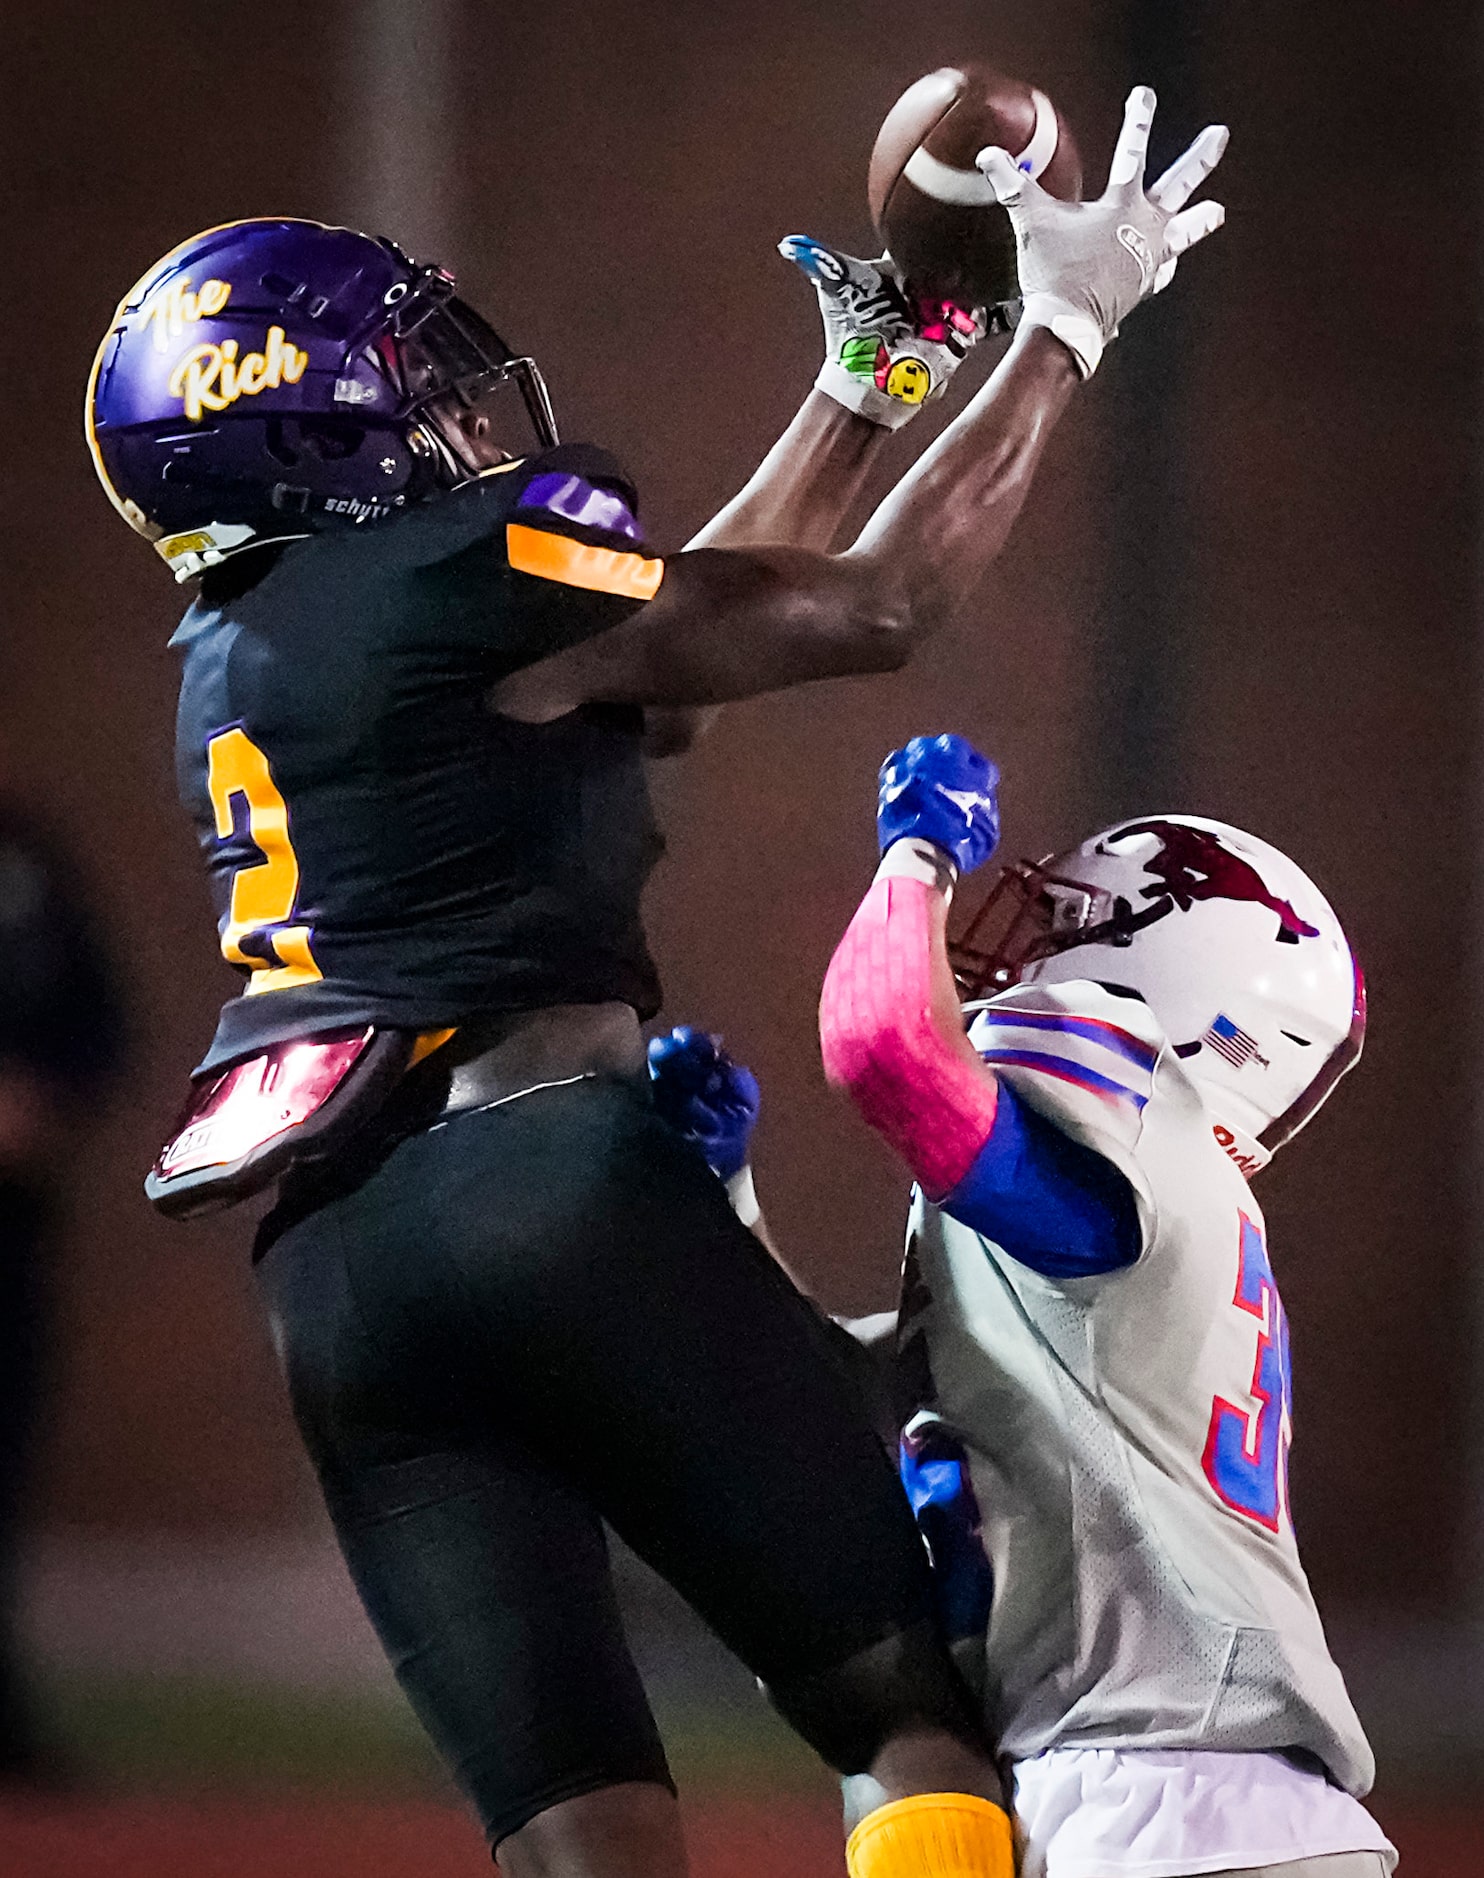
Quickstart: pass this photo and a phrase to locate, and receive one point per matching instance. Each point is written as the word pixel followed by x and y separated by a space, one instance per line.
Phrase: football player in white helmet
pixel 1092 1355
pixel 1091 1334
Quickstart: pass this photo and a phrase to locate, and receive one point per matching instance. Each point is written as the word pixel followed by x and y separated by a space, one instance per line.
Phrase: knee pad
pixel 848 1713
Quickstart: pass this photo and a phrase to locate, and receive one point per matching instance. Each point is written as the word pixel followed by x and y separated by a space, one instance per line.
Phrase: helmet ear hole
pixel 277 444
pixel 331 439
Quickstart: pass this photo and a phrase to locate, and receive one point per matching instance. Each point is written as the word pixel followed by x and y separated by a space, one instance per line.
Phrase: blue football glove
pixel 941 790
pixel 706 1098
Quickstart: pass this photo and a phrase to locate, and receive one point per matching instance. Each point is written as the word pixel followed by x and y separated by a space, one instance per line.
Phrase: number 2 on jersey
pixel 263 894
pixel 1246 1457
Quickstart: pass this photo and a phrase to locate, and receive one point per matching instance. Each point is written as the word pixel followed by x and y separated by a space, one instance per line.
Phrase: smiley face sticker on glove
pixel 909 379
pixel 887 350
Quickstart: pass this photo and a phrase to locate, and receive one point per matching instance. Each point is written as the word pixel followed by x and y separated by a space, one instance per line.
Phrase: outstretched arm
pixel 800 493
pixel 804 487
pixel 727 625
pixel 890 1028
pixel 886 355
pixel 892 1035
pixel 884 360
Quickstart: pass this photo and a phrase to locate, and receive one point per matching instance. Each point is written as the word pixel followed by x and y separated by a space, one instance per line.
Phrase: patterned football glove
pixel 708 1100
pixel 941 789
pixel 886 352
pixel 1084 266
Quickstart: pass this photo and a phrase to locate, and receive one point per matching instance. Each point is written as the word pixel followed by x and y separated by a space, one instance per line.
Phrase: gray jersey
pixel 1128 1434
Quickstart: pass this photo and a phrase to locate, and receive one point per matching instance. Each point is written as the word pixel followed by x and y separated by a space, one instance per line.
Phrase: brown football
pixel 934 211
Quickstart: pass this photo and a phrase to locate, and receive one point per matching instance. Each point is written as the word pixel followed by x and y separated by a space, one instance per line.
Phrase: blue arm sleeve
pixel 1050 1202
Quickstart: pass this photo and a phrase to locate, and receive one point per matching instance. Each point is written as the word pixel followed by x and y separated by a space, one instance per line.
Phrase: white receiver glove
pixel 1084 266
pixel 884 356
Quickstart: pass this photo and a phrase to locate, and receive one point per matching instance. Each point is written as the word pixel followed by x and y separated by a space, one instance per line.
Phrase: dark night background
pixel 1245 585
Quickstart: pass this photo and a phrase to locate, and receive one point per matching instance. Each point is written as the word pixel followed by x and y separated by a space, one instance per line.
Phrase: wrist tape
pixel 863 396
pixel 1078 332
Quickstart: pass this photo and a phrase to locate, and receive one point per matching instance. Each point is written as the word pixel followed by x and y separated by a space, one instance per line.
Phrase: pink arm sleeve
pixel 932 1101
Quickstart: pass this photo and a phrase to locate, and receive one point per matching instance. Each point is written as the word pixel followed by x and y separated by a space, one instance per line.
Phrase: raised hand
pixel 1084 266
pixel 887 352
pixel 706 1098
pixel 940 789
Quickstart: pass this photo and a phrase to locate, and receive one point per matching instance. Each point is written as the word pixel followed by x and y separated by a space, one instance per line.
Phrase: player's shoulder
pixel 573 489
pixel 1093 1059
pixel 1102 1039
pixel 567 517
pixel 483 563
pixel 577 485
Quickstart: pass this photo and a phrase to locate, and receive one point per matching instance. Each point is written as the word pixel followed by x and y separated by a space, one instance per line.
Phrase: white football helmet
pixel 1234 949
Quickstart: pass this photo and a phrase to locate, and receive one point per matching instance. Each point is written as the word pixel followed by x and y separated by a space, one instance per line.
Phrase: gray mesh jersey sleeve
pixel 1128 1440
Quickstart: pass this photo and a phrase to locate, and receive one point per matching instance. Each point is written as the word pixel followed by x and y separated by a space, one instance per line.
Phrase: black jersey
pixel 383 847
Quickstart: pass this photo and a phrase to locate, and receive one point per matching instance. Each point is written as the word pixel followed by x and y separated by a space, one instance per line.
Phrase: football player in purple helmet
pixel 421 675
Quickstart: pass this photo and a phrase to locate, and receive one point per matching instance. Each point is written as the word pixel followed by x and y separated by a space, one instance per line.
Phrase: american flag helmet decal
pixel 1229 1040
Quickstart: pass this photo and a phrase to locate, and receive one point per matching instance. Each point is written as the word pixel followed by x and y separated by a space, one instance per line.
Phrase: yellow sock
pixel 933 1835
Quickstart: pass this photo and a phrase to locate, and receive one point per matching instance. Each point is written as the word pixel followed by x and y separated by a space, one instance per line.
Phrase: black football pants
pixel 530 1319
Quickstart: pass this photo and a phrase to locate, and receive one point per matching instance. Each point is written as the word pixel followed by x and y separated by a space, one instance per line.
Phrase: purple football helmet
pixel 273 379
